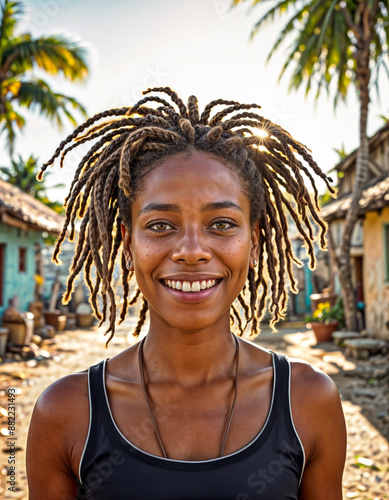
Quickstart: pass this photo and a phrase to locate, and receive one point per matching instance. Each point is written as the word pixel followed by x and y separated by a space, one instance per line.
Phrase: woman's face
pixel 191 242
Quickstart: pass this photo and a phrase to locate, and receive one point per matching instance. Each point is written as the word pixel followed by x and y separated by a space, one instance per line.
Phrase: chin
pixel 192 322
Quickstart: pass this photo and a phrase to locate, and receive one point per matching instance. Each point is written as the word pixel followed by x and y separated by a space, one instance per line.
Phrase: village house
pixel 24 222
pixel 370 239
pixel 309 282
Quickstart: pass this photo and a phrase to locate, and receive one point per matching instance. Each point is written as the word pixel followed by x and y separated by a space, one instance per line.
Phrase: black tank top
pixel 269 467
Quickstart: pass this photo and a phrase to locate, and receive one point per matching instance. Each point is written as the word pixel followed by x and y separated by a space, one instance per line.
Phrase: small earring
pixel 128 266
pixel 255 263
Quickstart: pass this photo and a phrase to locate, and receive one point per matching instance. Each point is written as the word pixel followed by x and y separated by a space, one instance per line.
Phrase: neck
pixel 189 358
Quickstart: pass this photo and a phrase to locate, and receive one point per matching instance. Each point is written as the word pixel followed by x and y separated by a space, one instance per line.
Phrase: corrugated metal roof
pixel 374 197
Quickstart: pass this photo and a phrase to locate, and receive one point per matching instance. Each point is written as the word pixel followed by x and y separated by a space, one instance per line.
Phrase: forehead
pixel 197 176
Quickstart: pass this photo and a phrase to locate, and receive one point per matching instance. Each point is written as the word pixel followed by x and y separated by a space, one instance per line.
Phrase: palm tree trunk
pixel 344 260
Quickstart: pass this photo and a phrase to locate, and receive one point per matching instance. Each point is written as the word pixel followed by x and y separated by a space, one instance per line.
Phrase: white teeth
pixel 186 286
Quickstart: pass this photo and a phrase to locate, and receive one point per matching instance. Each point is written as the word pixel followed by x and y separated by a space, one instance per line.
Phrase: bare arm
pixel 321 424
pixel 56 437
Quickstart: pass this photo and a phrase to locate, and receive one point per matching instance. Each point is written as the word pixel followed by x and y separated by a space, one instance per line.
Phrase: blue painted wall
pixel 16 283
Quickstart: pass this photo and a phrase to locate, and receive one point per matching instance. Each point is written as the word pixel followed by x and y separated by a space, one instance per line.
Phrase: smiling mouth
pixel 191 287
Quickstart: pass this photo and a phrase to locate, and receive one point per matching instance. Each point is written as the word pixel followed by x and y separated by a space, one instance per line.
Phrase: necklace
pixel 147 396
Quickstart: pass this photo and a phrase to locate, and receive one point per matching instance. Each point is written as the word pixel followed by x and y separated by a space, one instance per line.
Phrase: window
pixel 22 260
pixel 386 251
pixel 357 235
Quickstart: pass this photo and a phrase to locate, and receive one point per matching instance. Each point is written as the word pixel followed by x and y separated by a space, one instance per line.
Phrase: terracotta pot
pixel 321 298
pixel 17 332
pixel 57 319
pixel 84 320
pixel 323 332
pixel 4 332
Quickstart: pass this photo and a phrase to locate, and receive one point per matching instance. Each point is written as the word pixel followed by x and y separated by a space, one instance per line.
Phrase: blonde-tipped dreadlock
pixel 130 142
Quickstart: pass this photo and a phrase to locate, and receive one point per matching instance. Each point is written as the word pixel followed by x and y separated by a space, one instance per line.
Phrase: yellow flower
pixel 39 279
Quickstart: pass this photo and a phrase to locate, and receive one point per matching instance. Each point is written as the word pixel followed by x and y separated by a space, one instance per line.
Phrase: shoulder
pixel 64 391
pixel 316 407
pixel 307 382
pixel 319 422
pixel 57 433
pixel 310 384
pixel 63 404
pixel 60 421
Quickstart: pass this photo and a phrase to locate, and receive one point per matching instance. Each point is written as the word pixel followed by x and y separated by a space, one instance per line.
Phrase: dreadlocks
pixel 130 141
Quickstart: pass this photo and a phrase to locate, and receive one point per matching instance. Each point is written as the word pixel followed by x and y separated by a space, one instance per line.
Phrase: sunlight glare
pixel 262 133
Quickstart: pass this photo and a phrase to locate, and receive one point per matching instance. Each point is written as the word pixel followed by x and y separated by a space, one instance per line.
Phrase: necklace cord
pixel 235 395
pixel 145 390
pixel 146 395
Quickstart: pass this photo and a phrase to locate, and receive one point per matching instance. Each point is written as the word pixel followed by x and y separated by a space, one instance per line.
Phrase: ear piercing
pixel 128 266
pixel 255 263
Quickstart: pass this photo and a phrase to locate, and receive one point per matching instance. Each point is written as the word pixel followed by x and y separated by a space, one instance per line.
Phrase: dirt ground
pixel 363 386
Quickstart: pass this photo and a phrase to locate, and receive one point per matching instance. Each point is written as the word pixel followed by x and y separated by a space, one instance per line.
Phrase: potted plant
pixel 326 319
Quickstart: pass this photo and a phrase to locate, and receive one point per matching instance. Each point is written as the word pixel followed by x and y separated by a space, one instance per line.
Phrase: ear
pixel 254 245
pixel 126 236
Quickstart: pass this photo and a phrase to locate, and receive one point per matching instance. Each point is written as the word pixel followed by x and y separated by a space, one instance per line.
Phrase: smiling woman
pixel 192 411
pixel 208 242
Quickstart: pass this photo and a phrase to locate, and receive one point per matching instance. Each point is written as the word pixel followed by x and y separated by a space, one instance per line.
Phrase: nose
pixel 191 247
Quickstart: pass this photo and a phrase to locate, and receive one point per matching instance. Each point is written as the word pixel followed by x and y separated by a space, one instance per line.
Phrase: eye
pixel 159 227
pixel 223 225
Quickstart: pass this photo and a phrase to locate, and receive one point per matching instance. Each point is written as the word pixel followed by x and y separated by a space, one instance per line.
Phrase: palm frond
pixel 322 52
pixel 22 173
pixel 9 12
pixel 10 86
pixel 280 8
pixel 8 119
pixel 37 95
pixel 289 27
pixel 325 24
pixel 53 54
pixel 21 54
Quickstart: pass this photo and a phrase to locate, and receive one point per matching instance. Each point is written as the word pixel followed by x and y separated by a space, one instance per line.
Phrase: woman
pixel 192 411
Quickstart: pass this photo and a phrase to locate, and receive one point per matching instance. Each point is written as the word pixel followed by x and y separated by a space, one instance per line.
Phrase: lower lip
pixel 192 296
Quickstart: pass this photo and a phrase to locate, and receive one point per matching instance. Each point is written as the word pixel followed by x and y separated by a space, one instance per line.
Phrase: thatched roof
pixel 21 210
pixel 374 197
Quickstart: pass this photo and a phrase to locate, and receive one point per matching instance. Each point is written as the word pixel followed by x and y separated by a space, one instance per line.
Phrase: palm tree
pixel 336 44
pixel 20 54
pixel 342 153
pixel 23 175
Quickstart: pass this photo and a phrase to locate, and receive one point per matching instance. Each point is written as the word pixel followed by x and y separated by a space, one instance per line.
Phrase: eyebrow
pixel 208 207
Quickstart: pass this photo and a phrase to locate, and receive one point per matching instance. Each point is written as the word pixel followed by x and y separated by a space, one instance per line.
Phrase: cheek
pixel 147 255
pixel 237 253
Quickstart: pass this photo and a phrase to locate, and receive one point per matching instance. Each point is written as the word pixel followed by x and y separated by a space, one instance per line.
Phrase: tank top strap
pixel 281 401
pixel 282 368
pixel 97 394
pixel 283 409
pixel 98 414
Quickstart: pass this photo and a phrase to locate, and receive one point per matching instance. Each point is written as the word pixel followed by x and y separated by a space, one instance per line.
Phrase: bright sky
pixel 196 47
